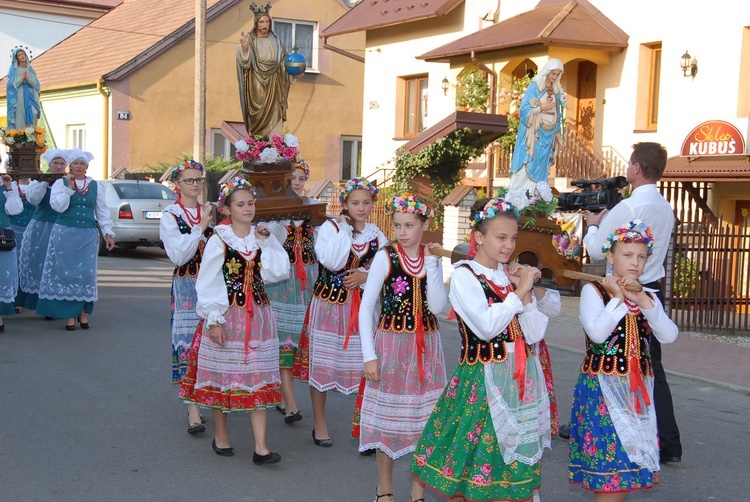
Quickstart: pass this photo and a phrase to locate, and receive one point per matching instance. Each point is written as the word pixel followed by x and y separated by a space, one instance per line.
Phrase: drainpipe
pixel 105 126
pixel 493 92
pixel 331 48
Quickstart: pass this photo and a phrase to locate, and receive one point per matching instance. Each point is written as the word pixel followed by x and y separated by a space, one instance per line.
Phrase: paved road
pixel 92 416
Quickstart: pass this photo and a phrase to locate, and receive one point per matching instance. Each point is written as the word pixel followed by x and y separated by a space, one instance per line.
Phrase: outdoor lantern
pixel 295 63
pixel 445 86
pixel 689 65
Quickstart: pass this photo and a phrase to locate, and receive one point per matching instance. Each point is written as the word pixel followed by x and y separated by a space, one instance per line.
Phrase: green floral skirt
pixel 458 453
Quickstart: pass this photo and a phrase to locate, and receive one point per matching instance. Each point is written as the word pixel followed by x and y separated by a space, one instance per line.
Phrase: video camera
pixel 588 199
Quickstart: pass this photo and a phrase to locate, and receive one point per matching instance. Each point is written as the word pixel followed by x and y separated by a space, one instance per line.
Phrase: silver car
pixel 135 207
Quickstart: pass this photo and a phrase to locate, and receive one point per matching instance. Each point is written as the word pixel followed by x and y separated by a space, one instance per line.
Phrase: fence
pixel 378 216
pixel 710 277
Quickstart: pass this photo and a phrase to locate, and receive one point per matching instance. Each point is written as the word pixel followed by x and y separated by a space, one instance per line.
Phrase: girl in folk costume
pixel 33 249
pixel 331 359
pixel 403 357
pixel 235 368
pixel 290 298
pixel 68 286
pixel 614 447
pixel 19 223
pixel 487 432
pixel 10 205
pixel 184 230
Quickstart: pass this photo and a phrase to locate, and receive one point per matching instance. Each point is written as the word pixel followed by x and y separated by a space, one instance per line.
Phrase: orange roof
pixel 573 24
pixel 718 168
pixel 118 37
pixel 371 14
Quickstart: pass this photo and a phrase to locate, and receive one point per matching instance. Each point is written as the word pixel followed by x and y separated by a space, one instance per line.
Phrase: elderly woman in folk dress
pixel 33 249
pixel 10 204
pixel 68 287
pixel 18 223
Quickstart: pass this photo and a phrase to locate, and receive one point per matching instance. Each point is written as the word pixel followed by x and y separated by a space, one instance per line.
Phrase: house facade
pixel 130 101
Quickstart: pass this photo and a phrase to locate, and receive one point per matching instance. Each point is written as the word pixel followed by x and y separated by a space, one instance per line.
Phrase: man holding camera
pixel 646 166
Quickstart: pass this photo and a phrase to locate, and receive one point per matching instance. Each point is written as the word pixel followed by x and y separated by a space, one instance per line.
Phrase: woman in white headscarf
pixel 68 287
pixel 33 248
pixel 540 129
pixel 10 204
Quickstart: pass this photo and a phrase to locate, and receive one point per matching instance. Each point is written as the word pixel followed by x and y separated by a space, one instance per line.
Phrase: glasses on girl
pixel 193 181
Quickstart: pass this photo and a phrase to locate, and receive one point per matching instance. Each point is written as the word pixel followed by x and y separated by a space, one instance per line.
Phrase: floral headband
pixel 634 231
pixel 232 186
pixel 358 184
pixel 186 164
pixel 408 203
pixel 301 164
pixel 493 206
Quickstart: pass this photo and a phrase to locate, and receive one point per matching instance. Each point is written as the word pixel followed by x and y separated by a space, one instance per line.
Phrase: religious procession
pixel 320 264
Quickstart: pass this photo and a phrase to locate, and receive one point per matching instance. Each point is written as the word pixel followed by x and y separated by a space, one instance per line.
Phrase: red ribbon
pixel 520 356
pixel 451 315
pixel 420 345
pixel 637 384
pixel 300 267
pixel 354 316
pixel 472 245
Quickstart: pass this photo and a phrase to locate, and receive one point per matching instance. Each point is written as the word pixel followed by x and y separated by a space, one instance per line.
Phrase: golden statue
pixel 264 84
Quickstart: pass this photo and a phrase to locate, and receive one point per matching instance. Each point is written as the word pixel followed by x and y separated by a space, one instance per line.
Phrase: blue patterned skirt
pixel 32 255
pixel 8 281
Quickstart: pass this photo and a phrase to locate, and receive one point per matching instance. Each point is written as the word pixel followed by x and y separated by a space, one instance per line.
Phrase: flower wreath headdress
pixel 634 231
pixel 232 186
pixel 493 206
pixel 301 164
pixel 358 184
pixel 408 203
pixel 185 164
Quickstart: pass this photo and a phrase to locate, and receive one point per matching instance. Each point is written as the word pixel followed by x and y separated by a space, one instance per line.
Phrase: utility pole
pixel 199 115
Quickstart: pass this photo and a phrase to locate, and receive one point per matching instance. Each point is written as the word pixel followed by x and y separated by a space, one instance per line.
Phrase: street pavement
pixel 92 415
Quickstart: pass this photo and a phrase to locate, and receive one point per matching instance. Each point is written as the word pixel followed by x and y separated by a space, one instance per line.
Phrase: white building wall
pixel 35 30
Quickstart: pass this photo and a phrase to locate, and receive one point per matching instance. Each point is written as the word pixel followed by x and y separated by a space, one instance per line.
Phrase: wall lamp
pixel 444 85
pixel 689 65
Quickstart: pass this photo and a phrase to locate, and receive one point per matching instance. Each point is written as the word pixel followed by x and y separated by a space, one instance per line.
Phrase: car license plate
pixel 152 215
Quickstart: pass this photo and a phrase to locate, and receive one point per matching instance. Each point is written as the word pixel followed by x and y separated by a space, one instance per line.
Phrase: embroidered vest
pixel 80 212
pixel 303 235
pixel 242 274
pixel 631 335
pixel 191 267
pixel 44 211
pixel 403 296
pixel 330 285
pixel 474 349
pixel 4 218
pixel 23 219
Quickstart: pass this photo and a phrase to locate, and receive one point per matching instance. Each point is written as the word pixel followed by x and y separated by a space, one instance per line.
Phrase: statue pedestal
pixel 275 198
pixel 24 162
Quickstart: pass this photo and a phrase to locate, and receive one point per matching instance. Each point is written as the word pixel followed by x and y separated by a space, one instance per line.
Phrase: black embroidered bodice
pixel 191 267
pixel 473 348
pixel 330 284
pixel 630 338
pixel 404 295
pixel 241 274
pixel 304 235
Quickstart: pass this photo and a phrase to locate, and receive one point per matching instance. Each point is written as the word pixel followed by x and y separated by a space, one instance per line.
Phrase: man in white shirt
pixel 646 166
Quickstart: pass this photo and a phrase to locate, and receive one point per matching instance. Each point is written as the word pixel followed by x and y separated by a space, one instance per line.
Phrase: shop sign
pixel 713 138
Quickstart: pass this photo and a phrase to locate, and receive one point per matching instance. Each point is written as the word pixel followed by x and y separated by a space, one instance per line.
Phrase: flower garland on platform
pixel 29 137
pixel 267 150
pixel 542 204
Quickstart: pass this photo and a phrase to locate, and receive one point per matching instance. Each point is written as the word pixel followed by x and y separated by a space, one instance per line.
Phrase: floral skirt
pixel 33 252
pixel 330 366
pixel 395 409
pixel 458 452
pixel 184 320
pixel 546 361
pixel 597 459
pixel 243 375
pixel 289 303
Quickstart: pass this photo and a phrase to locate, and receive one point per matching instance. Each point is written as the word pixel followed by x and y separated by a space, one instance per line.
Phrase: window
pixel 743 99
pixel 351 154
pixel 649 80
pixel 414 105
pixel 303 34
pixel 221 147
pixel 75 136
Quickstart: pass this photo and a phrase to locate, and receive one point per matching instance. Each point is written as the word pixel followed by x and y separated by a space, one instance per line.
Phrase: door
pixel 586 99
